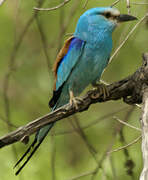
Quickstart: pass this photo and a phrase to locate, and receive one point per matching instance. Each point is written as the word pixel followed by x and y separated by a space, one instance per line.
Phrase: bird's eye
pixel 107 14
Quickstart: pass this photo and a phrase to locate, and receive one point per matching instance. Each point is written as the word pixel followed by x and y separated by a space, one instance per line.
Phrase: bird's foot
pixel 74 100
pixel 102 90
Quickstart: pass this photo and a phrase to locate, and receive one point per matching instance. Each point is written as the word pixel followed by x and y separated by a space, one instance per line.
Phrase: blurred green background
pixel 29 43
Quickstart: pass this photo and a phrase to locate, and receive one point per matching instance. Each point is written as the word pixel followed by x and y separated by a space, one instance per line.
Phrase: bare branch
pixel 53 8
pixel 130 89
pixel 127 124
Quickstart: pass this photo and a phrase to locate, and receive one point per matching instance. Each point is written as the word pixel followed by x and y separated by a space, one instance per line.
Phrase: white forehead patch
pixel 114 12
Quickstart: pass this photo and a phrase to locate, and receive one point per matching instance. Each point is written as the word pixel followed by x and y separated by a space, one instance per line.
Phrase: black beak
pixel 125 17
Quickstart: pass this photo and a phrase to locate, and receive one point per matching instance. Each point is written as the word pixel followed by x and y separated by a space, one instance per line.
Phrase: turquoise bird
pixel 80 62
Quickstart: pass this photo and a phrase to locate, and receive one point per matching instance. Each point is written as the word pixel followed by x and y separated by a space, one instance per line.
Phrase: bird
pixel 80 62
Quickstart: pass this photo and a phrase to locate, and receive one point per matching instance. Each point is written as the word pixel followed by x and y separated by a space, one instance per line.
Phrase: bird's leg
pixel 102 88
pixel 74 100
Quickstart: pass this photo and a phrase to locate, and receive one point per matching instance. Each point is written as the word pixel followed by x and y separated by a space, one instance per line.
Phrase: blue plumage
pixel 81 61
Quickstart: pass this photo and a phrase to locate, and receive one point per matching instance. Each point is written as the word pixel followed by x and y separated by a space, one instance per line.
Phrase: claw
pixel 103 90
pixel 74 100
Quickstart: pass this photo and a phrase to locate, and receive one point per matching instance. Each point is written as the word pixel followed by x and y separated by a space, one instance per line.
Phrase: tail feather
pixel 35 145
pixel 29 157
pixel 42 133
pixel 28 150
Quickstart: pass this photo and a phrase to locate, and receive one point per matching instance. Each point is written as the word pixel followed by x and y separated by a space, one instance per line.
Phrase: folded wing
pixel 66 60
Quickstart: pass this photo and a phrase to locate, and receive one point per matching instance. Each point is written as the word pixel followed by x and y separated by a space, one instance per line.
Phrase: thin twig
pixel 129 144
pixel 125 123
pixel 116 2
pixel 53 8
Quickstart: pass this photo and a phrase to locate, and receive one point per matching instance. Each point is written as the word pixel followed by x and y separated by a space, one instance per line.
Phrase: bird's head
pixel 100 19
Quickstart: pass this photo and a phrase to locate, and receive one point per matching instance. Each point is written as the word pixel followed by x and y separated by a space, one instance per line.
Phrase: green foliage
pixel 30 87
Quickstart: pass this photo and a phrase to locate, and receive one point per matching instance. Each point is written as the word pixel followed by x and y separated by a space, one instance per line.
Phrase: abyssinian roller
pixel 80 62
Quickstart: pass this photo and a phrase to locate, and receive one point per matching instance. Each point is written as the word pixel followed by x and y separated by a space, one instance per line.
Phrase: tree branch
pixel 129 89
